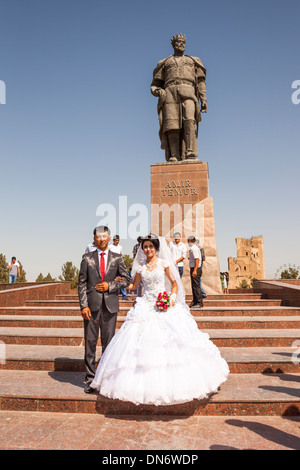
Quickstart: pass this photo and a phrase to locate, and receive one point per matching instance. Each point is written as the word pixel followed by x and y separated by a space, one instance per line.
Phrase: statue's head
pixel 178 42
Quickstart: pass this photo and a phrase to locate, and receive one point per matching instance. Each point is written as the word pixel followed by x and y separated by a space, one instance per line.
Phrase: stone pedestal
pixel 180 202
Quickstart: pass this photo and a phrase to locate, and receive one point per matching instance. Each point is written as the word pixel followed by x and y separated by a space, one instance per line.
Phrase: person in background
pixel 195 272
pixel 204 295
pixel 178 250
pixel 225 290
pixel 117 248
pixel 227 280
pixel 139 291
pixel 136 246
pixel 91 247
pixel 224 283
pixel 14 270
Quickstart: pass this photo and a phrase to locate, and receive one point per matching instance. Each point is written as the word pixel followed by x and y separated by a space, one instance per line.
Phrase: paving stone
pixel 67 431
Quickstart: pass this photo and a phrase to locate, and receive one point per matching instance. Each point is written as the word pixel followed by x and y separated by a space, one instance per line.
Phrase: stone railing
pixel 17 285
pixel 16 296
pixel 288 292
pixel 295 282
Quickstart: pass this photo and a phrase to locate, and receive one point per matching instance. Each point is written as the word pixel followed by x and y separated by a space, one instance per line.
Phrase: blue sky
pixel 79 127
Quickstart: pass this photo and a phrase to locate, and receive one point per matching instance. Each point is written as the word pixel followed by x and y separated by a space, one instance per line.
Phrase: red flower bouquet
pixel 163 301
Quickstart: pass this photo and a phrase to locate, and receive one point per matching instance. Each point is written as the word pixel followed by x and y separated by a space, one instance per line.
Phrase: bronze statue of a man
pixel 179 82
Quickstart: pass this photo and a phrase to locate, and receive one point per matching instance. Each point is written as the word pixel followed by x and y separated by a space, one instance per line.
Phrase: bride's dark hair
pixel 151 238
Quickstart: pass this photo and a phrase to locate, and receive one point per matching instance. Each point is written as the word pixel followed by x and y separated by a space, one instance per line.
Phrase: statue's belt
pixel 178 81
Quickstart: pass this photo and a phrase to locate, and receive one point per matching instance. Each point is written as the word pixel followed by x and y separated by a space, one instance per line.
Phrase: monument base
pixel 180 202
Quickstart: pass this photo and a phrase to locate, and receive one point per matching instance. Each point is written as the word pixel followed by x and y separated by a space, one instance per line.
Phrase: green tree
pixel 291 273
pixel 70 273
pixel 47 278
pixel 22 277
pixel 243 285
pixel 4 266
pixel 128 261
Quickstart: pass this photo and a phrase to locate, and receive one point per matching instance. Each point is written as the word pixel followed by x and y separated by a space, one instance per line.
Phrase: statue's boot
pixel 174 145
pixel 189 127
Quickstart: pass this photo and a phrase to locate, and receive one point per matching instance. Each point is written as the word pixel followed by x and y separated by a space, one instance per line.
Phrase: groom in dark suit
pixel 98 297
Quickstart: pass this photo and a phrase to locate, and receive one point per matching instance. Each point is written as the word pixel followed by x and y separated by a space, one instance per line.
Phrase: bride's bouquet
pixel 163 301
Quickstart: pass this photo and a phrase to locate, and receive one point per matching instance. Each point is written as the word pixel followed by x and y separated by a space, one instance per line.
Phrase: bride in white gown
pixel 156 357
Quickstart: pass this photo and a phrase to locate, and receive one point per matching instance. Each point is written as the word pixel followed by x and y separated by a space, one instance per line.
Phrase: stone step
pixel 70 358
pixel 205 311
pixel 128 304
pixel 242 394
pixel 203 322
pixel 221 337
pixel 188 297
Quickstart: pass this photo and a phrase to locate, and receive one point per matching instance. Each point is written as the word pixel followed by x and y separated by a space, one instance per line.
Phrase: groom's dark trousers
pixel 104 306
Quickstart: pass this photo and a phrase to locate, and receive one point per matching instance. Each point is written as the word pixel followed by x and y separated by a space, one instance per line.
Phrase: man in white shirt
pixel 14 270
pixel 195 271
pixel 178 250
pixel 116 247
pixel 91 247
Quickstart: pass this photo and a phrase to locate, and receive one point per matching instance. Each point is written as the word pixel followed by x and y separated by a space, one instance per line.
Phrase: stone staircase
pixel 43 369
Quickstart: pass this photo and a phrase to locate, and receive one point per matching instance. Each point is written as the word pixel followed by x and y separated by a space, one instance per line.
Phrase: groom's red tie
pixel 102 265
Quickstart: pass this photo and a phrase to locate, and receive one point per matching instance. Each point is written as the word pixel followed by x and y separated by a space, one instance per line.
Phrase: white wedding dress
pixel 156 357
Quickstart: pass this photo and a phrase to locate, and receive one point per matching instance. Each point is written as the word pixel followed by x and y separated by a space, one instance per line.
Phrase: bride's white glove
pixel 173 299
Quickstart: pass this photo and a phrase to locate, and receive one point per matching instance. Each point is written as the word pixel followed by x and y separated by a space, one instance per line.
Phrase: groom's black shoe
pixel 198 305
pixel 88 388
